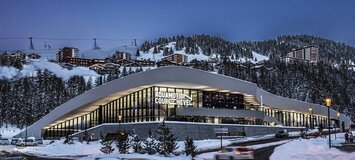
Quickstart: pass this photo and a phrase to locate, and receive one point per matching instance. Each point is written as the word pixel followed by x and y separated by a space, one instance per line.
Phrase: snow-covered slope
pixel 199 56
pixel 258 57
pixel 158 56
pixel 32 66
pixel 9 131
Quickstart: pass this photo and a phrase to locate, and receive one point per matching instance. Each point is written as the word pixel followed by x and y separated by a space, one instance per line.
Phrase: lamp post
pixel 26 136
pixel 310 117
pixel 119 122
pixel 328 102
pixel 338 114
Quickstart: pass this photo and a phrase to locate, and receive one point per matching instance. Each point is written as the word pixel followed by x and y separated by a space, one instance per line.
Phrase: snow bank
pixel 315 149
pixel 43 64
pixel 92 150
pixel 59 149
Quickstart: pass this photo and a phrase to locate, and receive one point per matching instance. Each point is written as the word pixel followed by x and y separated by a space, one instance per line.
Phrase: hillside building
pixel 176 58
pixel 309 54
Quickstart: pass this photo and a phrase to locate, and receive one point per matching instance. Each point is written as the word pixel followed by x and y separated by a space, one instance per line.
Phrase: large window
pixel 150 104
pixel 220 100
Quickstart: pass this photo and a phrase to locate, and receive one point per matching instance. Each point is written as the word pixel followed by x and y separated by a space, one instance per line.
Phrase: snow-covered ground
pixel 312 149
pixel 92 150
pixel 32 66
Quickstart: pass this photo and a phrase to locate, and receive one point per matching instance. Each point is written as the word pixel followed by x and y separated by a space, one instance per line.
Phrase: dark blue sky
pixel 233 20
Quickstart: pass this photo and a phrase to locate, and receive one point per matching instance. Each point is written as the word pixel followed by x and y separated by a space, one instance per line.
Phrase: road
pixel 264 153
pixel 260 154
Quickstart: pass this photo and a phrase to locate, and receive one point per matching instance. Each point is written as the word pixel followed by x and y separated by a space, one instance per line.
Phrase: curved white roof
pixel 172 76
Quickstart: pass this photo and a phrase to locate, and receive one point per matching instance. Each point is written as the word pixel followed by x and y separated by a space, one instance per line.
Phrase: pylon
pixel 31 44
pixel 95 45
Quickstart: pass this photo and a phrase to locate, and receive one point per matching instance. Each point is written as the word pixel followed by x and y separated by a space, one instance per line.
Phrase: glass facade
pixel 158 103
pixel 296 119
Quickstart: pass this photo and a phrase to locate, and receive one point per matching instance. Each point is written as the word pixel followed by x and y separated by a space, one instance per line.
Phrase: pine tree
pixel 86 137
pixel 171 51
pixel 155 51
pixel 138 53
pixel 167 143
pixel 190 148
pixel 89 84
pixel 106 146
pixel 165 51
pixel 122 142
pixel 150 145
pixel 124 72
pixel 135 142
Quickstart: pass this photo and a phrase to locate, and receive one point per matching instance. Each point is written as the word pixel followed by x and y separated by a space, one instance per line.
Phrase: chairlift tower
pixel 31 44
pixel 96 47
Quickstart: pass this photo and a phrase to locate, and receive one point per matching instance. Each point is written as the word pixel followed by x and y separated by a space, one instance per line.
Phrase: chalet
pixel 123 62
pixel 145 63
pixel 110 60
pixel 16 58
pixel 204 65
pixel 98 61
pixel 166 63
pixel 107 68
pixel 133 64
pixel 33 56
pixel 19 55
pixel 79 61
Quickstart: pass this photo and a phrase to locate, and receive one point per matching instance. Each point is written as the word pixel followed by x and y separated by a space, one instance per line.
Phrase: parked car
pixel 14 141
pixel 4 141
pixel 231 153
pixel 39 141
pixel 27 142
pixel 282 134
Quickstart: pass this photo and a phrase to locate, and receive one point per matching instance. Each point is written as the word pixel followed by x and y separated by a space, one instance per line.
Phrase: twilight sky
pixel 116 22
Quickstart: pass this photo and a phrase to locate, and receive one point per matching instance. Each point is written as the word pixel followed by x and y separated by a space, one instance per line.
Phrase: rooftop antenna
pixel 95 45
pixel 31 44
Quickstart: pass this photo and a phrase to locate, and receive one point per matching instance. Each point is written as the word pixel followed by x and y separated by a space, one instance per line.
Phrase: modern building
pixel 308 53
pixel 192 102
pixel 122 55
pixel 67 52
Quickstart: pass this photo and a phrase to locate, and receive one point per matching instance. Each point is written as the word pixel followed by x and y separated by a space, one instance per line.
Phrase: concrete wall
pixel 184 129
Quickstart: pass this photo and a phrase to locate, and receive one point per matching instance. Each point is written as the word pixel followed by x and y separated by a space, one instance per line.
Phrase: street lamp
pixel 119 122
pixel 328 102
pixel 338 114
pixel 26 136
pixel 310 117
